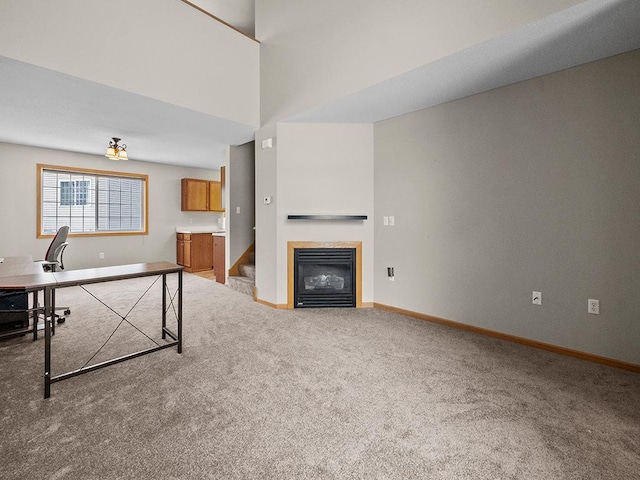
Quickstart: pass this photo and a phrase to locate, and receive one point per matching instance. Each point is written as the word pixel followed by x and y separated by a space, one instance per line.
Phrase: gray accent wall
pixel 534 186
pixel 240 185
pixel 266 215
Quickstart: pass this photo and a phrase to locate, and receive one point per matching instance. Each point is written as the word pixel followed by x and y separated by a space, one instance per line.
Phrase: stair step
pixel 247 270
pixel 242 284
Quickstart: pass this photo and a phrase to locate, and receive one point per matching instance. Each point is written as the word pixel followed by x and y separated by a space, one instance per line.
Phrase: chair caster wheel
pixel 67 312
pixel 62 320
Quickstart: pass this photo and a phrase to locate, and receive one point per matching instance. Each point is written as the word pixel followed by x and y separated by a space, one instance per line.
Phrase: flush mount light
pixel 116 151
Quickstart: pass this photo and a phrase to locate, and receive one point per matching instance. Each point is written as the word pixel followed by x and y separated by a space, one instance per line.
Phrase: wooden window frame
pixel 105 173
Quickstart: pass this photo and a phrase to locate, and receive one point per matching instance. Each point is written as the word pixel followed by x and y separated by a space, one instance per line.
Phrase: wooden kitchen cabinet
pixel 215 197
pixel 195 195
pixel 194 251
pixel 218 259
pixel 183 249
pixel 201 195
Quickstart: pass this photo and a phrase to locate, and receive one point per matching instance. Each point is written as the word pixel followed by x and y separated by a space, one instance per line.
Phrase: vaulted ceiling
pixel 44 108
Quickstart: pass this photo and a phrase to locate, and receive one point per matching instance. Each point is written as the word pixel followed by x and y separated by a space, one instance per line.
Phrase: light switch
pixel 536 298
pixel 237 209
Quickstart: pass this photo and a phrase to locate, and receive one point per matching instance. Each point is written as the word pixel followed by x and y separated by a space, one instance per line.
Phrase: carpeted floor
pixel 260 393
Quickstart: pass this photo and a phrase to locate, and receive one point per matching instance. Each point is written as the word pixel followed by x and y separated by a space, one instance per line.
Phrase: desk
pixel 16 266
pixel 51 281
pixel 13 260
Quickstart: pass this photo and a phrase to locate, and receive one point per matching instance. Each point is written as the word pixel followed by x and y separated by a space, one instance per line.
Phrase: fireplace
pixel 324 277
pixel 324 274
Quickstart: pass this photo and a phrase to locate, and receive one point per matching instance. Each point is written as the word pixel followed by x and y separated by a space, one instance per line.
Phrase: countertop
pixel 201 229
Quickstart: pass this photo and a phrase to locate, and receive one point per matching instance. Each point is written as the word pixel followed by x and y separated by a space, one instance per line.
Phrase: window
pixel 74 192
pixel 91 202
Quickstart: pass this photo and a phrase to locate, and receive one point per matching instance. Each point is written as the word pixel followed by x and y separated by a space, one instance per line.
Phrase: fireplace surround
pixel 328 274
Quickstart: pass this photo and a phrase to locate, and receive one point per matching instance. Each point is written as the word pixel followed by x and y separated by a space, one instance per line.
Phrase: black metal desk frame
pixel 50 282
pixel 108 274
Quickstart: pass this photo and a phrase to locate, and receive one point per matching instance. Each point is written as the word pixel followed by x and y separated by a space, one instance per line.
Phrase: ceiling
pixel 590 31
pixel 239 13
pixel 44 108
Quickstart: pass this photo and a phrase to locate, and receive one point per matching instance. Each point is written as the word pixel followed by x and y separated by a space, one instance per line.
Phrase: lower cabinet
pixel 183 249
pixel 194 251
pixel 218 259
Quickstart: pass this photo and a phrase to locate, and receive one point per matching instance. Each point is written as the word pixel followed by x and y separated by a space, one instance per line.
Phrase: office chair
pixel 53 262
pixel 53 257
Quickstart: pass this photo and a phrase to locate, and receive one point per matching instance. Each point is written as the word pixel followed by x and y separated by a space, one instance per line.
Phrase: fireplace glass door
pixel 324 277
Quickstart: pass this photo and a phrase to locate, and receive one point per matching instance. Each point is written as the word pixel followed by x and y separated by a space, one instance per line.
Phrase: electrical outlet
pixel 536 298
pixel 594 306
pixel 391 274
pixel 101 256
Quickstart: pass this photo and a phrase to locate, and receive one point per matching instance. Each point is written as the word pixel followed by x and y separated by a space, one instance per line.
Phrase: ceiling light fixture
pixel 116 151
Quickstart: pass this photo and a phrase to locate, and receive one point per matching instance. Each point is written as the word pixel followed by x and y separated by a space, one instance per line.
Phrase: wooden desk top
pixel 22 265
pixel 28 282
pixel 33 278
pixel 24 275
pixel 21 268
pixel 68 278
pixel 16 259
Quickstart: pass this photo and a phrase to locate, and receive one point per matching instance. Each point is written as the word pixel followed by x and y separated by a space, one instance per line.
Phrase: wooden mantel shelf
pixel 327 217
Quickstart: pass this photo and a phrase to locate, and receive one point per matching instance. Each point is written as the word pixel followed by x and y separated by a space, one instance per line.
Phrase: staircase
pixel 246 280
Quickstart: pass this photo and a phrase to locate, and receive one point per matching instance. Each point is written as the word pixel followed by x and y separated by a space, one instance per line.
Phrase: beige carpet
pixel 260 393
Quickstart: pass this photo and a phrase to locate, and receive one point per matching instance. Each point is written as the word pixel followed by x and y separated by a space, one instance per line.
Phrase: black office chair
pixel 53 262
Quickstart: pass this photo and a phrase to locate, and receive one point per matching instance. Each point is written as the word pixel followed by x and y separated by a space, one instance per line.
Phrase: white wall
pixel 18 174
pixel 534 186
pixel 146 47
pixel 315 52
pixel 321 169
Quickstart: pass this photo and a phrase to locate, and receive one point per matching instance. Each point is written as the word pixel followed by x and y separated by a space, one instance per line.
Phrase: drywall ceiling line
pixel 202 10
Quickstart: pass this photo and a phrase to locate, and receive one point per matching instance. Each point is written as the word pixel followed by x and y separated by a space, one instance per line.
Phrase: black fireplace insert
pixel 324 277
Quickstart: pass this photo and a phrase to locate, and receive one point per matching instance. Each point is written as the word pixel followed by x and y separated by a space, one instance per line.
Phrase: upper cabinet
pixel 201 195
pixel 195 195
pixel 215 197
